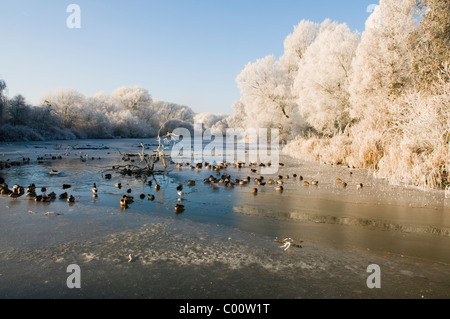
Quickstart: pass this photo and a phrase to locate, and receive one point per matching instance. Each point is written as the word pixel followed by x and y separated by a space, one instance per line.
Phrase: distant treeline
pixel 129 112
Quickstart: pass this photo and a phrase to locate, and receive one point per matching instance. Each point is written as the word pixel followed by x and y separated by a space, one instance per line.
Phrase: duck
pixel 179 208
pixel 338 180
pixel 315 183
pixel 14 195
pixel 46 199
pixel 52 196
pixel 118 185
pixel 142 196
pixel 300 178
pixel 31 188
pixel 64 196
pixel 180 187
pixel 359 186
pixel 305 183
pixel 279 188
pixel 53 172
pixel 157 187
pixel 128 199
pixel 123 203
pixel 191 183
pixel 344 185
pixel 66 186
pixel 151 197
pixel 95 189
pixel 255 190
pixel 5 191
pixel 71 199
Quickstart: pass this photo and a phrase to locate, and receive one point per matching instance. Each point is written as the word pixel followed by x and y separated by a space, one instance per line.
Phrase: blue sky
pixel 183 51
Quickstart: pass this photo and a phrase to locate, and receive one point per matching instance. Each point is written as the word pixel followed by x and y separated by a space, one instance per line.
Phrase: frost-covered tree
pixel 18 111
pixel 67 104
pixel 430 44
pixel 296 44
pixel 265 92
pixel 381 66
pixel 167 111
pixel 323 78
pixel 209 119
pixel 133 99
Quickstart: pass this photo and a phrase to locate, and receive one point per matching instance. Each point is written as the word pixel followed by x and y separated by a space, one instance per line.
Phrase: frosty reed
pixel 232 145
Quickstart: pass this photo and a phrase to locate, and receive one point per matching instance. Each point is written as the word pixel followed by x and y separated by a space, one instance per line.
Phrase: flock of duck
pixel 30 193
pixel 225 179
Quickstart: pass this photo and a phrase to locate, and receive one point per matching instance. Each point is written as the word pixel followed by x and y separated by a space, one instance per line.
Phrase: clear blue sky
pixel 183 51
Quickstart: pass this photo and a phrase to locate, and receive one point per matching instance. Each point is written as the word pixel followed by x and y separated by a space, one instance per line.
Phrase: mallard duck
pixel 46 199
pixel 344 185
pixel 14 195
pixel 64 196
pixel 279 188
pixel 52 196
pixel 300 178
pixel 151 197
pixel 128 199
pixel 71 199
pixel 123 203
pixel 179 208
pixel 305 183
pixel 315 183
pixel 191 183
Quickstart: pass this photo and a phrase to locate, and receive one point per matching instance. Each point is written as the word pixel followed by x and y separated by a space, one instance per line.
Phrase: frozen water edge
pixel 173 259
pixel 223 245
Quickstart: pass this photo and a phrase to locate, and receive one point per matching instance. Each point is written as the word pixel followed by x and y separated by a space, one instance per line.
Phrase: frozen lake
pixel 223 244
